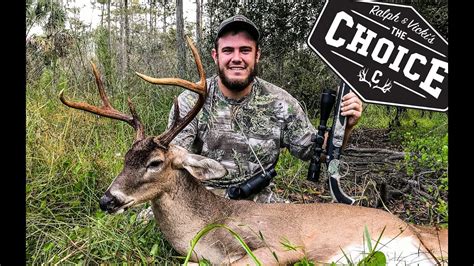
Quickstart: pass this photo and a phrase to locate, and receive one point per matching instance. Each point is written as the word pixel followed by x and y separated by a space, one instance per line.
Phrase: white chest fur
pixel 398 251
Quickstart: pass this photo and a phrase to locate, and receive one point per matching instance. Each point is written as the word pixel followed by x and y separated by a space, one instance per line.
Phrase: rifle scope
pixel 328 97
pixel 252 186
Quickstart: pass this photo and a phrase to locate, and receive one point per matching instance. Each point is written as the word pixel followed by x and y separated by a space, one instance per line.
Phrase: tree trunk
pixel 165 13
pixel 101 16
pixel 108 25
pixel 122 40
pixel 198 23
pixel 127 36
pixel 152 11
pixel 180 39
pixel 155 19
pixel 280 64
pixel 213 11
pixel 109 44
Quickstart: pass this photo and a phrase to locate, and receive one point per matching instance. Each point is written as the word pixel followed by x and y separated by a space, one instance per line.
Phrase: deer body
pixel 168 176
pixel 319 231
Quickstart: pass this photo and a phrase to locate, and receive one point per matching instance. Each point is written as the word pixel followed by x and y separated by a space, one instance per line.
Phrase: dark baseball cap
pixel 238 22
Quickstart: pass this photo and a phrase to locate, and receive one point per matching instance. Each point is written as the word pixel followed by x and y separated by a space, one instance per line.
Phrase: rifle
pixel 334 144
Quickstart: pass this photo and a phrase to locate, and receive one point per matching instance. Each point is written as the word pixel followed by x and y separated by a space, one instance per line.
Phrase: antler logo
pixel 384 88
pixel 362 77
pixel 362 74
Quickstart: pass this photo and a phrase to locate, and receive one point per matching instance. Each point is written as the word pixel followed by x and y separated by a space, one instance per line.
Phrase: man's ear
pixel 214 55
pixel 203 168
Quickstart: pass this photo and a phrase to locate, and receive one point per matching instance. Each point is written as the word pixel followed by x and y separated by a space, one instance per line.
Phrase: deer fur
pixel 169 178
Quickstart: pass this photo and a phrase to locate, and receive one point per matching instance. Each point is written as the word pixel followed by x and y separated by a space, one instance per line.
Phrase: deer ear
pixel 203 168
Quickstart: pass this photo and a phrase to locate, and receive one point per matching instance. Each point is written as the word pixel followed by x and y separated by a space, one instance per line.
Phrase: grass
pixel 71 157
pixel 375 116
pixel 211 227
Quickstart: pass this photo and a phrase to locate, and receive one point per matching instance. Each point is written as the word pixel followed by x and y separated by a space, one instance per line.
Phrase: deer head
pixel 152 161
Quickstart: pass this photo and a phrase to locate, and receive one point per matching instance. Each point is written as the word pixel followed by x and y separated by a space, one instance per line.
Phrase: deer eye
pixel 153 164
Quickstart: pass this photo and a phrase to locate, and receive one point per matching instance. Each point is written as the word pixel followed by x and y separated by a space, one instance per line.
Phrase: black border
pixel 460 135
pixel 13 221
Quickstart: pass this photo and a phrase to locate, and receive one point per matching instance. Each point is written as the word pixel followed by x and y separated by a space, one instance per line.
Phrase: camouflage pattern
pixel 266 120
pixel 265 196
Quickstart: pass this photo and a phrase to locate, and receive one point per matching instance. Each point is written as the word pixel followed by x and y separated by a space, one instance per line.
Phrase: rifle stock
pixel 334 148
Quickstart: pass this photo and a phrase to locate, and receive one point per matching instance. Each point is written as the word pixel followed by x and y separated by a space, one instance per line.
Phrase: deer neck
pixel 186 208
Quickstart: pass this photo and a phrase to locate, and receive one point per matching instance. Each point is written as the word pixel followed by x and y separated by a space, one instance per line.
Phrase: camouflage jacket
pixel 245 134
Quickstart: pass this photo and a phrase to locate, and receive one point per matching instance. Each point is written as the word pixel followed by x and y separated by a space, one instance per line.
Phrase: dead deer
pixel 168 176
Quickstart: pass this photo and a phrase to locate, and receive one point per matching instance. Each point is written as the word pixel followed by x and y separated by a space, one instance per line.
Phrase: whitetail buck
pixel 168 176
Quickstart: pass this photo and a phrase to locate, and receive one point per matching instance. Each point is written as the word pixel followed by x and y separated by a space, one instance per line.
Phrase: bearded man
pixel 246 120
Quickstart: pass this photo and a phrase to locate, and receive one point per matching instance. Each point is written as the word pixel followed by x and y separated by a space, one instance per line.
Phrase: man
pixel 245 120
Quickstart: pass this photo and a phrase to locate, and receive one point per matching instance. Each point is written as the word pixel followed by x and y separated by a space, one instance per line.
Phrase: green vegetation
pixel 72 156
pixel 211 227
pixel 426 145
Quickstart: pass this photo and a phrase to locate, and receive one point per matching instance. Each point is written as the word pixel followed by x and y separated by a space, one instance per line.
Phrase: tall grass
pixel 72 156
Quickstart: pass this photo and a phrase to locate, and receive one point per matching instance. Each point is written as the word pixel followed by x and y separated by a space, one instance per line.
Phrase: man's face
pixel 236 58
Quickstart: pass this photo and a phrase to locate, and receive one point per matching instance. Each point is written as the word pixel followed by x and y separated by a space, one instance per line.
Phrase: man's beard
pixel 237 85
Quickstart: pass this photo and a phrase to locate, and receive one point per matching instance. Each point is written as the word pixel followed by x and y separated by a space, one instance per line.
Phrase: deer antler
pixel 107 110
pixel 180 123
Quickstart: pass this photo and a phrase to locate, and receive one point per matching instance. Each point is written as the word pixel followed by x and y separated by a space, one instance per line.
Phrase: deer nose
pixel 107 202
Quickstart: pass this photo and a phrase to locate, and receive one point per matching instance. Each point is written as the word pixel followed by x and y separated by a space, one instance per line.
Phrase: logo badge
pixel 387 53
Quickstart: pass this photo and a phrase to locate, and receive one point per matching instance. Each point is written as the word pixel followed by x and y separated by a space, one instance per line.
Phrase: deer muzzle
pixel 112 204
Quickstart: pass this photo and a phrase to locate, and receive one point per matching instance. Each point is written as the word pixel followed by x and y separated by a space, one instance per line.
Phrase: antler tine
pixel 107 110
pixel 196 87
pixel 200 87
pixel 137 125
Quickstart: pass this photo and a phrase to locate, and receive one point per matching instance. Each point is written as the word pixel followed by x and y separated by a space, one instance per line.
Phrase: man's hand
pixel 351 107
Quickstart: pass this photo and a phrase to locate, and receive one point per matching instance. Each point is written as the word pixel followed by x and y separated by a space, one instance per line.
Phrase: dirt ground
pixel 375 176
